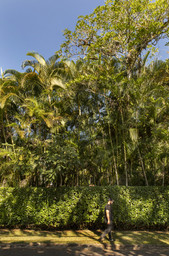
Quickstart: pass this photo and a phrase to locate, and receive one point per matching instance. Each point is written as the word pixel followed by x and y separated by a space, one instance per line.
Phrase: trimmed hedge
pixel 82 207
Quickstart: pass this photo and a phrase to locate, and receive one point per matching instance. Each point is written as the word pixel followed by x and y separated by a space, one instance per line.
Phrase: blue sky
pixel 37 25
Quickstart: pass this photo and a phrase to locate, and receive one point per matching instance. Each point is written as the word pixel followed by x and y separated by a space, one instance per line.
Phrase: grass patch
pixel 82 237
pixel 142 237
pixel 60 237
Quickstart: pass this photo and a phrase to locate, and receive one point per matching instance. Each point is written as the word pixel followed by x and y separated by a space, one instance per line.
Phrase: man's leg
pixel 109 234
pixel 107 231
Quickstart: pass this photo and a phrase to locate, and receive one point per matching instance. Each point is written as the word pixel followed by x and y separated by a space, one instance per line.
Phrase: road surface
pixel 83 250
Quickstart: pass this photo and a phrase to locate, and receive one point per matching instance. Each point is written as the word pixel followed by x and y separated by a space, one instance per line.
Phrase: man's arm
pixel 108 216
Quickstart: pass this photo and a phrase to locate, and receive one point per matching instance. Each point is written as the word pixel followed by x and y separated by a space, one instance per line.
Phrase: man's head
pixel 110 201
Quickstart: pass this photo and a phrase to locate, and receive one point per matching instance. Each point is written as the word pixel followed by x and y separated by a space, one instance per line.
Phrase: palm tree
pixel 49 72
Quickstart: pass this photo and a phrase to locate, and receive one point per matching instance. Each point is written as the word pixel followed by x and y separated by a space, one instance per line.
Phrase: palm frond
pixel 133 134
pixel 5 98
pixel 38 57
pixel 31 100
pixel 52 60
pixel 57 82
pixel 8 86
pixel 12 72
pixel 32 63
pixel 2 73
pixel 27 63
pixel 29 77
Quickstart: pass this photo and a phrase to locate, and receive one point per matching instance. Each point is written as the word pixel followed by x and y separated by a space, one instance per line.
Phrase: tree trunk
pixel 143 168
pixel 124 148
pixel 114 159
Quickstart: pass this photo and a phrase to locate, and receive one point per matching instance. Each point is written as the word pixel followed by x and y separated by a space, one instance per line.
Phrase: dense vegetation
pixel 82 207
pixel 97 111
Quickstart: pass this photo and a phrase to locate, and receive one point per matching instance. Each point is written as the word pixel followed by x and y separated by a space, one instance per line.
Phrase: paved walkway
pixel 83 250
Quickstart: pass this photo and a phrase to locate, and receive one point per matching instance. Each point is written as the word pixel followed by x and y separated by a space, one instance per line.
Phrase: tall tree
pixel 122 29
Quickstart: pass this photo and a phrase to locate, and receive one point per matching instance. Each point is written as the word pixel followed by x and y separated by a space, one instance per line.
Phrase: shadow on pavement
pixel 83 250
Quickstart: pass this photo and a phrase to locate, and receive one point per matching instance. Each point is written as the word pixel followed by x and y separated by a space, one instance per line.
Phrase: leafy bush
pixel 82 207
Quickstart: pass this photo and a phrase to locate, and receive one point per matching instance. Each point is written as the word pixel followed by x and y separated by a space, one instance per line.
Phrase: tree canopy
pixel 96 112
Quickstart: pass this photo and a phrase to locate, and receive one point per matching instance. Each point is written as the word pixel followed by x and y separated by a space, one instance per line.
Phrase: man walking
pixel 108 220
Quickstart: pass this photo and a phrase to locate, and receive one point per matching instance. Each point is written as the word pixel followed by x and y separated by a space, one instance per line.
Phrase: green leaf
pixel 57 82
pixel 38 57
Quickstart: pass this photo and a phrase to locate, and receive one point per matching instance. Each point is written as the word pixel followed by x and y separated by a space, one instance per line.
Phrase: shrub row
pixel 83 207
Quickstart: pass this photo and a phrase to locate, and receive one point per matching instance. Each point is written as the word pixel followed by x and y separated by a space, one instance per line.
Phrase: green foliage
pixel 122 29
pixel 83 207
pixel 102 119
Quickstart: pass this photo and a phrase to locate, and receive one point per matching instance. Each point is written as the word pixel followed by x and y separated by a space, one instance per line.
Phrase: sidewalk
pixel 83 250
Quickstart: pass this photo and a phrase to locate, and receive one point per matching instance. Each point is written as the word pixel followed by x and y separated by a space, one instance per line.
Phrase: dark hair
pixel 110 199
